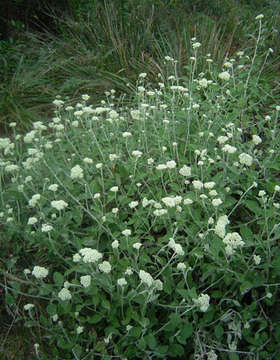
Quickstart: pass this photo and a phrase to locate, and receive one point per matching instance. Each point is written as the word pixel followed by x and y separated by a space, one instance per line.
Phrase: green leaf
pixel 58 279
pixel 254 207
pixel 219 331
pixel 245 287
pixel 142 344
pixel 151 341
pixel 185 333
pixel 95 318
pixel 10 300
pixel 136 331
pixel 175 350
pixel 51 309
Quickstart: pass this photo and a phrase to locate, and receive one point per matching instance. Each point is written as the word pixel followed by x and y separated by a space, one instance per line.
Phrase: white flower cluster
pixel 59 204
pixel 40 272
pixel 172 201
pixel 105 267
pixel 147 279
pixel 64 294
pixel 220 228
pixel 34 200
pixel 85 280
pixel 177 248
pixel 169 165
pixel 203 302
pixel 77 172
pixel 225 75
pixel 233 241
pixel 185 171
pixel 245 159
pixel 87 255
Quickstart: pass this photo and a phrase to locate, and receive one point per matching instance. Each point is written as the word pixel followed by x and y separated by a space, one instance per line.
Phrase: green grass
pixel 106 49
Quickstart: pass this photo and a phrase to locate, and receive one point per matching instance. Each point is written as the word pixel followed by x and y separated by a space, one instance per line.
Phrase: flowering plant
pixel 150 238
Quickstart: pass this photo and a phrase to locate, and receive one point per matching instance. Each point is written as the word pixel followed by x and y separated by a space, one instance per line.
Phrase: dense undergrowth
pixel 149 228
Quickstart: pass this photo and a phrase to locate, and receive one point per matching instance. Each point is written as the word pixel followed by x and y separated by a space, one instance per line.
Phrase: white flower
pixel 203 302
pixel 203 82
pixel 96 196
pixel 262 193
pixel 128 271
pixel 135 114
pixel 158 284
pixel 133 204
pixel 32 221
pixel 245 159
pixel 12 168
pixel 115 244
pixel 213 193
pixel 150 161
pixel 225 75
pixel 59 204
pixel 40 272
pixel 46 228
pixel 126 134
pixel 26 271
pixel 121 282
pixel 64 294
pixel 105 267
pixel 53 187
pixel 161 167
pixel 257 259
pixel 217 202
pixel 98 165
pixel 28 307
pixel 220 228
pixel 171 164
pixel 160 212
pixel 222 139
pixel 137 246
pixel 172 201
pixel 233 240
pixel 114 189
pixel 185 171
pixel 85 280
pixel 87 160
pixel 178 250
pixel 211 355
pixel 142 75
pixel 209 185
pixel 137 153
pixel 259 17
pixel 29 137
pixel 33 201
pixel 76 257
pixel 196 45
pixel 146 278
pixel 115 210
pixel 90 255
pixel 277 188
pixel 79 329
pixel 198 185
pixel 77 172
pixel 256 139
pixel 181 266
pixel 126 232
pixel 187 201
pixel 229 149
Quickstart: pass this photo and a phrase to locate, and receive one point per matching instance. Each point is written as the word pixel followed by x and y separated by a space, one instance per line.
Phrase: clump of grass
pixel 149 230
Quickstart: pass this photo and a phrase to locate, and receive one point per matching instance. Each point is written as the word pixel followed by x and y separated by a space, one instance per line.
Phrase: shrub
pixel 149 231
